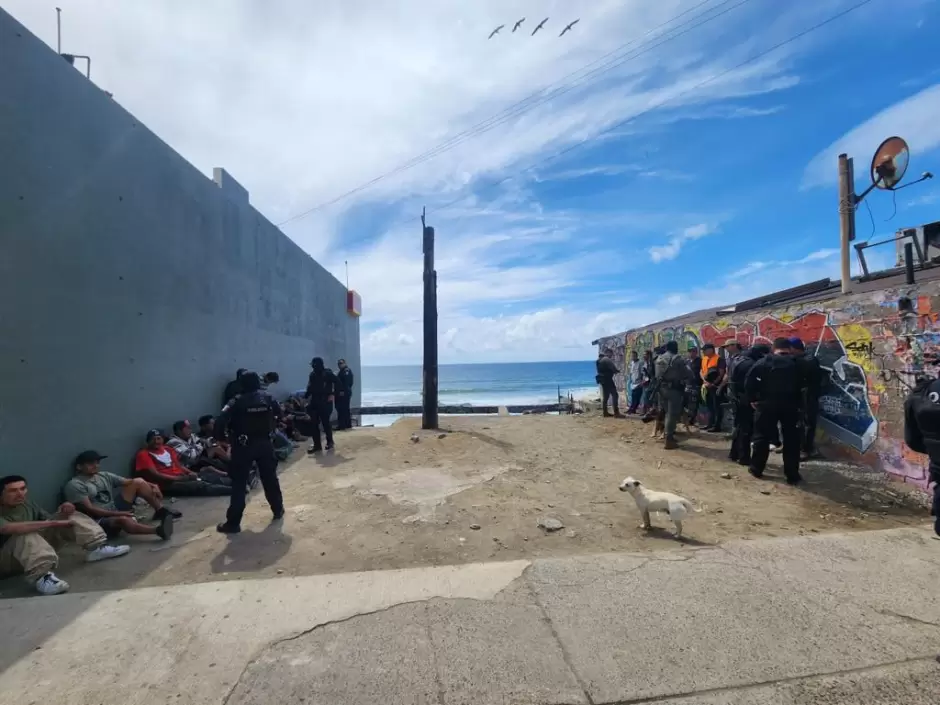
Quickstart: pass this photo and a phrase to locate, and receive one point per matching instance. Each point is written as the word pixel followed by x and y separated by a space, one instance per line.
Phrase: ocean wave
pixel 486 397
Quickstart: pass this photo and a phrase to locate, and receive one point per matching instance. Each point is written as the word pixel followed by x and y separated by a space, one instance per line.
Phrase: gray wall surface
pixel 131 285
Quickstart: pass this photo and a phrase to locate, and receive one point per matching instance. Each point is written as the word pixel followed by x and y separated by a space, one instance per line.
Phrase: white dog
pixel 647 501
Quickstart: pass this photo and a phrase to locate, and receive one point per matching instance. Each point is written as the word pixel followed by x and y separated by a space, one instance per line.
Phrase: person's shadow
pixel 328 458
pixel 251 551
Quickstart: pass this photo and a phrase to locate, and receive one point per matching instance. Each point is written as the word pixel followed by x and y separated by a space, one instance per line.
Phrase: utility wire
pixel 539 97
pixel 621 123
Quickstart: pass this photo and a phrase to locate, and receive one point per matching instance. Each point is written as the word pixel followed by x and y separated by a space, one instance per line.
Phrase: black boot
pixel 226 528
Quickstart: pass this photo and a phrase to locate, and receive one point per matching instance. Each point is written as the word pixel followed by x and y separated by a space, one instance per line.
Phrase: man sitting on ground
pixel 220 451
pixel 159 464
pixel 28 534
pixel 207 436
pixel 109 498
pixel 194 453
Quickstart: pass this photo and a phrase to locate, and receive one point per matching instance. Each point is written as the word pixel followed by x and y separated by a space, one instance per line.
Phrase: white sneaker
pixel 50 584
pixel 103 553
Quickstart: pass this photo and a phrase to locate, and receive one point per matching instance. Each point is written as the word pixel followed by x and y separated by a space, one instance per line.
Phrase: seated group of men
pixel 100 504
pixel 97 505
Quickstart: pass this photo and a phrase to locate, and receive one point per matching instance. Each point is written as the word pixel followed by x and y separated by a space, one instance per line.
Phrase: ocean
pixel 483 384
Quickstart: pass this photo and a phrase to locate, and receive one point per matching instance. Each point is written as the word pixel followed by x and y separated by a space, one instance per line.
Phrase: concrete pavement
pixel 836 619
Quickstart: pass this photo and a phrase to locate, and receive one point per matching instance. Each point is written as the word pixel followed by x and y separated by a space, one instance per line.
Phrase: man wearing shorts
pixel 109 498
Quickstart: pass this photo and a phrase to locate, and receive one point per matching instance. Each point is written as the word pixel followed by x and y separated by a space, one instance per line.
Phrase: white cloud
pixel 304 101
pixel 926 199
pixel 914 119
pixel 599 170
pixel 565 332
pixel 758 266
pixel 669 251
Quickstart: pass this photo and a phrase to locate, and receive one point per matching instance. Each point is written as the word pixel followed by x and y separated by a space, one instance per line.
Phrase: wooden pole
pixel 846 218
pixel 909 262
pixel 429 416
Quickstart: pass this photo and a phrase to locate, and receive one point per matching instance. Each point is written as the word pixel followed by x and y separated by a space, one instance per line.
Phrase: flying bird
pixel 568 28
pixel 518 24
pixel 496 31
pixel 539 26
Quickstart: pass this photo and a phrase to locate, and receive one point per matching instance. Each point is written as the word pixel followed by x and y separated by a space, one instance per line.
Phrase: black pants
pixel 344 418
pixel 810 415
pixel 320 413
pixel 610 392
pixel 693 401
pixel 260 451
pixel 765 429
pixel 713 399
pixel 195 488
pixel 935 508
pixel 743 432
pixel 636 394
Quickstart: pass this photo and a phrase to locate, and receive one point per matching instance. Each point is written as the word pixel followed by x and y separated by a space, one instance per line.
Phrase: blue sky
pixel 682 181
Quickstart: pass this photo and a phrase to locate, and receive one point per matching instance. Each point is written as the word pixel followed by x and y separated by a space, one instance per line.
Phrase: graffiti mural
pixel 844 409
pixel 872 348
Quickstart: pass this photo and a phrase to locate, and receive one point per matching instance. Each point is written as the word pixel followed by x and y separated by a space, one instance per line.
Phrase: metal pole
pixel 58 27
pixel 909 262
pixel 846 219
pixel 429 417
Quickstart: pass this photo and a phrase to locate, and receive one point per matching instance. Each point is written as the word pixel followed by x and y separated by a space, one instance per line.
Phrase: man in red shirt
pixel 160 464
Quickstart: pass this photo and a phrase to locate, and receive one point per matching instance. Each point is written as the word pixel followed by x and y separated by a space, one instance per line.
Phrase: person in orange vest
pixel 714 368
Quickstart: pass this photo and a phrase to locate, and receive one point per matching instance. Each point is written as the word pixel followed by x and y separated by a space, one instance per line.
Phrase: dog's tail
pixel 691 507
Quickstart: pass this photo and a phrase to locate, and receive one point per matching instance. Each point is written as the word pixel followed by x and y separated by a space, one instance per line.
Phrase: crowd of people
pixel 211 459
pixel 773 393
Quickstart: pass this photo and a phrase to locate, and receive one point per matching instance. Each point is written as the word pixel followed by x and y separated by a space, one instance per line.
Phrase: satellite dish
pixel 890 163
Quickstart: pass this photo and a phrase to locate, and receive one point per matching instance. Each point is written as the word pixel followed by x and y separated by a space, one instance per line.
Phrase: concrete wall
pixel 131 286
pixel 871 355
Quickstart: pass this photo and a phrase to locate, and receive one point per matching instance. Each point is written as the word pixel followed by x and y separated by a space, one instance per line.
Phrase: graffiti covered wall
pixel 871 352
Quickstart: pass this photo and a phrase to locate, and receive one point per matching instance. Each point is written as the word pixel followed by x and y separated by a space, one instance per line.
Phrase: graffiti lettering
pixel 861 347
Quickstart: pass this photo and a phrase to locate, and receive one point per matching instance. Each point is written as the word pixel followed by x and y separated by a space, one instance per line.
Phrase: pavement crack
pixel 306 632
pixel 438 680
pixel 602 573
pixel 743 687
pixel 906 617
pixel 564 651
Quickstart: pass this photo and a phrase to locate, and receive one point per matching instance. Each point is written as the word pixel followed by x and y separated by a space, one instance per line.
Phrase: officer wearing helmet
pixel 922 434
pixel 321 391
pixel 250 420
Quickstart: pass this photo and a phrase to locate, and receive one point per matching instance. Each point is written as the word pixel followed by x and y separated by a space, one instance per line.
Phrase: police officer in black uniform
pixel 321 391
pixel 250 420
pixel 344 388
pixel 774 389
pixel 922 434
pixel 743 430
pixel 812 379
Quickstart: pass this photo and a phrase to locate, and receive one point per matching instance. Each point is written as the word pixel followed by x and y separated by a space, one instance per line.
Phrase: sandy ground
pixel 476 491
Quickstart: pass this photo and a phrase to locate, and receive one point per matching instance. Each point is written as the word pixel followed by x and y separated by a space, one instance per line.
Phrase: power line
pixel 621 123
pixel 537 98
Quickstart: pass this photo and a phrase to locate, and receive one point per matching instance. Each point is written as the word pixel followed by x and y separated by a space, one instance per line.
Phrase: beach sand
pixel 477 490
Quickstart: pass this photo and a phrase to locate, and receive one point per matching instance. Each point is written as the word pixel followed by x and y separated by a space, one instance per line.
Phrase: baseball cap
pixel 88 456
pixel 153 433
